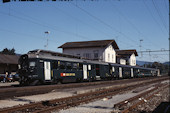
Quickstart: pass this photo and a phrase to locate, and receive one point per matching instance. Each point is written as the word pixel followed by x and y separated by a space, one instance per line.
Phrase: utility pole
pixel 47 32
pixel 169 45
pixel 141 45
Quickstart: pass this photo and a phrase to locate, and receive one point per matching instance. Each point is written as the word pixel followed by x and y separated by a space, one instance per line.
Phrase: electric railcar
pixel 41 66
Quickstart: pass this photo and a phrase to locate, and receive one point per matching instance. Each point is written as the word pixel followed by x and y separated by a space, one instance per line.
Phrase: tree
pixel 8 51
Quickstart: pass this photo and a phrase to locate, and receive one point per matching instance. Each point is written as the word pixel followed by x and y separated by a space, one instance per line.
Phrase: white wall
pixel 132 60
pixel 107 54
pixel 123 61
pixel 110 54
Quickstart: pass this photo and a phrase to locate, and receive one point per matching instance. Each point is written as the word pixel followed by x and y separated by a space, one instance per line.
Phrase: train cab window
pixel 68 65
pixel 62 65
pixel 75 66
pixel 32 64
pixel 54 65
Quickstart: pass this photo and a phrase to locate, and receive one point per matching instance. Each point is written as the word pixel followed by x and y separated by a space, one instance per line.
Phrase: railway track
pixel 141 99
pixel 57 104
pixel 136 100
pixel 33 90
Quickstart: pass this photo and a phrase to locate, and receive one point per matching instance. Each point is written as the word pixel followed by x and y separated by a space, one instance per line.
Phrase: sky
pixel 23 25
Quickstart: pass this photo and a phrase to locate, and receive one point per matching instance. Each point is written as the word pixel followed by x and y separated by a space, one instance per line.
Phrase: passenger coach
pixel 41 66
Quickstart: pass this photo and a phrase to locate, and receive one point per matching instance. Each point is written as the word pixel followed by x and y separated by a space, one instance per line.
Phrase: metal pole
pixel 47 32
pixel 141 46
pixel 169 45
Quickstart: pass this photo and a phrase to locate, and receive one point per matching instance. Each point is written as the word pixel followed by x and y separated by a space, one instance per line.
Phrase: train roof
pixel 59 56
pixel 39 51
pixel 45 54
pixel 137 67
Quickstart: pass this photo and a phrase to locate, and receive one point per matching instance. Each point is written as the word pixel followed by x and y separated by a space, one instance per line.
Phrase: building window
pixel 78 55
pixel 87 55
pixel 110 47
pixel 112 58
pixel 96 55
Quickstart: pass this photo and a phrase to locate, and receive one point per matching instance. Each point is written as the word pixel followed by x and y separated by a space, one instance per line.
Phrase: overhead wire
pixel 75 34
pixel 134 26
pixel 166 6
pixel 159 13
pixel 101 21
pixel 43 25
pixel 153 17
pixel 25 34
pixel 34 21
pixel 85 23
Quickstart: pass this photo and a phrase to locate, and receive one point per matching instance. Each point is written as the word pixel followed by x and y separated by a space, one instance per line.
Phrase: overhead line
pixel 101 21
pixel 23 34
pixel 133 25
pixel 153 16
pixel 24 19
pixel 155 51
pixel 166 6
pixel 157 10
pixel 66 13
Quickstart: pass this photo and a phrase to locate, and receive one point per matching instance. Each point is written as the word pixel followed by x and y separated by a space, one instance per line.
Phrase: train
pixel 48 67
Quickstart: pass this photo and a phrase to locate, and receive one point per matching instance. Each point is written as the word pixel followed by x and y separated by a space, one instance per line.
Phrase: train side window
pixel 41 64
pixel 54 65
pixel 113 69
pixel 80 66
pixel 89 67
pixel 62 65
pixel 75 66
pixel 92 67
pixel 68 65
pixel 105 67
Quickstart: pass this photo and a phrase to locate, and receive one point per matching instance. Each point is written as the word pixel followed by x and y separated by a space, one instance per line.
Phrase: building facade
pixel 8 63
pixel 102 50
pixel 126 57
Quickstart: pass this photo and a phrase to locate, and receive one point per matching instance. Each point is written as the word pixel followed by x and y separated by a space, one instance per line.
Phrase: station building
pixel 102 50
pixel 126 57
pixel 8 63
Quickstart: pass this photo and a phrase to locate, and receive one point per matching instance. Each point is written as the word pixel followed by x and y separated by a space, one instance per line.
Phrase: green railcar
pixel 41 66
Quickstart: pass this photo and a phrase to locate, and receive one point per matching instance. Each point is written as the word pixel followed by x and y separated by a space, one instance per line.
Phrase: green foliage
pixel 8 51
pixel 164 68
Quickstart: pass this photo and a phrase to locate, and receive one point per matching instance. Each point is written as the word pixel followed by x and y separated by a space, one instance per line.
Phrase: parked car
pixel 16 77
pixel 2 76
pixel 10 78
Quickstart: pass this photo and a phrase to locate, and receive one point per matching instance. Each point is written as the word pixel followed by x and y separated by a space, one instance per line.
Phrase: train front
pixel 27 71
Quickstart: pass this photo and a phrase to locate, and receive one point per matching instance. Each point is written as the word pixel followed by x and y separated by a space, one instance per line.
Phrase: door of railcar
pixel 132 73
pixel 84 71
pixel 47 70
pixel 97 71
pixel 120 72
pixel 91 72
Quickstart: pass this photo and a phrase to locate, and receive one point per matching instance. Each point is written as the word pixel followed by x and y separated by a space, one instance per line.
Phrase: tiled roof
pixel 8 59
pixel 126 52
pixel 85 44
